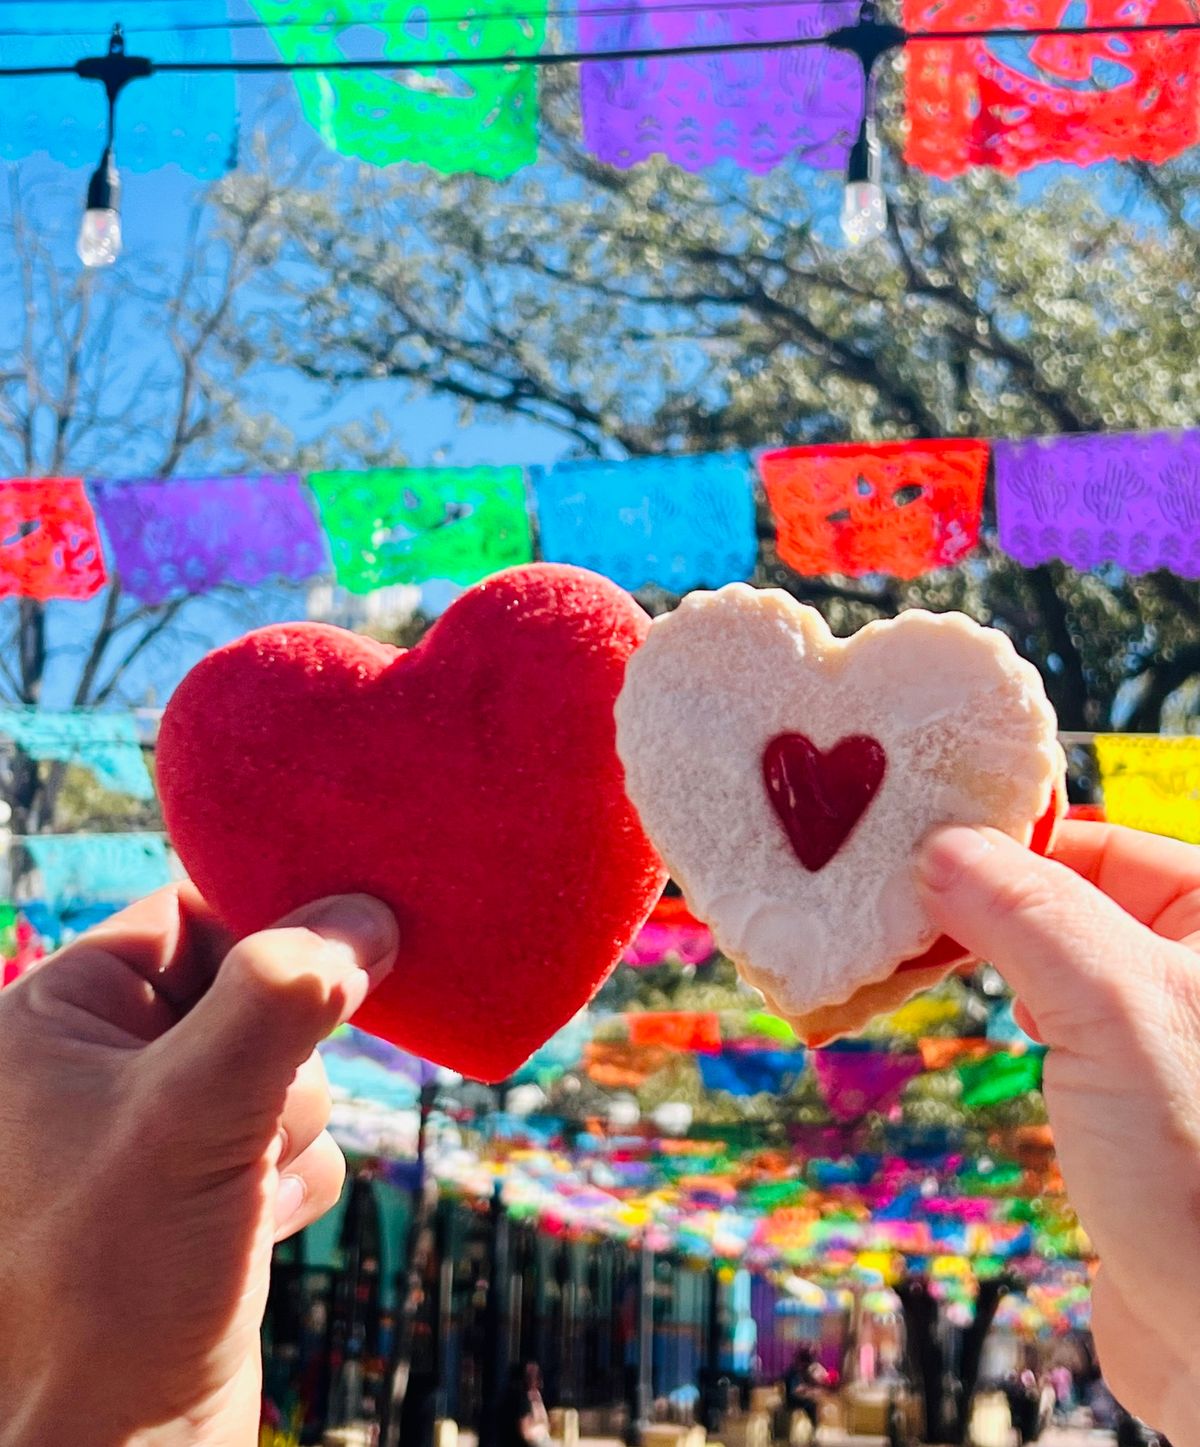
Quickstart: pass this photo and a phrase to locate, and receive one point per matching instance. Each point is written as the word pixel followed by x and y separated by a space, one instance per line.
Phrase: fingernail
pixel 947 854
pixel 363 922
pixel 288 1199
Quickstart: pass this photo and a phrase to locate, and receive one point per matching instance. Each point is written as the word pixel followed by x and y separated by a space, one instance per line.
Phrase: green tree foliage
pixel 653 311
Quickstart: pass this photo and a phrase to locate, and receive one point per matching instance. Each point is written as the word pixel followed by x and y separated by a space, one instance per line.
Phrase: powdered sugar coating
pixel 970 738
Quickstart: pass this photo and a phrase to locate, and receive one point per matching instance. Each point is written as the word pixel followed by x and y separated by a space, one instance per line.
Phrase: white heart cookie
pixel 787 776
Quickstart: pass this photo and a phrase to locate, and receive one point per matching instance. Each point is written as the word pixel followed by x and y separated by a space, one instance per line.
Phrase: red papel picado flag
pixel 1010 102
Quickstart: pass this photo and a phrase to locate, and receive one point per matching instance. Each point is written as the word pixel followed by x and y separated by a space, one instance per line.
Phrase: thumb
pixel 1077 960
pixel 278 993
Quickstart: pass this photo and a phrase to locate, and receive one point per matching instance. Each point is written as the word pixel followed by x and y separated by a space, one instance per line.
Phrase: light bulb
pixel 100 237
pixel 864 212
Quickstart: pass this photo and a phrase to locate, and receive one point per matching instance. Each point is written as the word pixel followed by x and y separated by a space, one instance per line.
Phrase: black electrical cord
pixel 839 39
pixel 323 22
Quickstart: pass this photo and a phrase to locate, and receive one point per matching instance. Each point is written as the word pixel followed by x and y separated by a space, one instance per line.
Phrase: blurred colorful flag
pixel 1151 783
pixel 106 743
pixel 680 522
pixel 1012 102
pixel 758 107
pixel 855 1081
pixel 49 542
pixel 903 508
pixel 178 536
pixel 697 1031
pixel 411 525
pixel 1002 1076
pixel 477 118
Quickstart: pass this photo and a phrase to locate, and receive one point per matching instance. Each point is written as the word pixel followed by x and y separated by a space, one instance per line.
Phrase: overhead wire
pixel 836 39
pixel 324 21
pixel 617 11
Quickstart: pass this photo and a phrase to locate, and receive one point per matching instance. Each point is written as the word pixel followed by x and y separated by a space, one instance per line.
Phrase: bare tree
pixel 126 373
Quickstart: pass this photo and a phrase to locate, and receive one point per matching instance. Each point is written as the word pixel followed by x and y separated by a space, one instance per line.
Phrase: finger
pixel 130 978
pixel 1074 957
pixel 171 939
pixel 93 997
pixel 276 995
pixel 1138 1364
pixel 306 1110
pixel 1154 879
pixel 310 1186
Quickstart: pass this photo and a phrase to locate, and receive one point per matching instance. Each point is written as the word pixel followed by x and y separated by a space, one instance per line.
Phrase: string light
pixel 100 232
pixel 864 207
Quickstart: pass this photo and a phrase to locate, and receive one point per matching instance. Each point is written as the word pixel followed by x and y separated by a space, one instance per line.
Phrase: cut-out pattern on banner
pixel 1128 498
pixel 106 743
pixel 49 542
pixel 88 868
pixel 411 525
pixel 903 508
pixel 680 522
pixel 1151 783
pixel 189 121
pixel 190 535
pixel 1012 103
pixel 854 1082
pixel 482 119
pixel 758 107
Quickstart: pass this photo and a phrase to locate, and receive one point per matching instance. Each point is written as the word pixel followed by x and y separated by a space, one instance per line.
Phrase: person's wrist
pixel 59 1426
pixel 57 1414
pixel 72 1412
pixel 1181 1407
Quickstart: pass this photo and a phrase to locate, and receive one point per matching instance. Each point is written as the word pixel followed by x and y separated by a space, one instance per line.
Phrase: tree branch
pixel 156 629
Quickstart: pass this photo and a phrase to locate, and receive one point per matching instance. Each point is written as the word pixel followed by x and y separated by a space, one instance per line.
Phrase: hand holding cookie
pixel 1100 943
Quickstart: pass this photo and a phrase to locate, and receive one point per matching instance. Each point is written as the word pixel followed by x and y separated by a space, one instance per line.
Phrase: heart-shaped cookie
pixel 787 777
pixel 472 783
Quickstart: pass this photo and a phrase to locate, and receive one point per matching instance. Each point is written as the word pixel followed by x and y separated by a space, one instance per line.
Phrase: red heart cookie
pixel 472 783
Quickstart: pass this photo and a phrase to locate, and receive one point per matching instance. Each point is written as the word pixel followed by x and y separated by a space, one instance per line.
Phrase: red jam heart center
pixel 820 796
